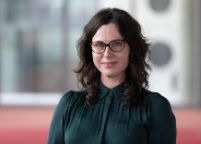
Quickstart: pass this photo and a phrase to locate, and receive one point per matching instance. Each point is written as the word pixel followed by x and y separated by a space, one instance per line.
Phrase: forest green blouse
pixel 109 122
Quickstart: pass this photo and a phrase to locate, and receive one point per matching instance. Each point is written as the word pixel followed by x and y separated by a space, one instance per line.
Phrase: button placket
pixel 107 105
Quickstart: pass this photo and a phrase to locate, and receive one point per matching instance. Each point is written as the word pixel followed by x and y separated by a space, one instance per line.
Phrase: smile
pixel 109 64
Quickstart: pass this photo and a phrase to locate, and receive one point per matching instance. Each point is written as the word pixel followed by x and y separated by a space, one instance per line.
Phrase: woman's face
pixel 110 64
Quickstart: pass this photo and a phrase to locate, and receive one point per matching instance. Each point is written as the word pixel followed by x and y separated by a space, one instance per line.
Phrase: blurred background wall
pixel 38 54
pixel 38 47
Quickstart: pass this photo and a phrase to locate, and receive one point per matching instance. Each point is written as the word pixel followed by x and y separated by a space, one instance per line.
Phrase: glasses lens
pixel 117 45
pixel 98 47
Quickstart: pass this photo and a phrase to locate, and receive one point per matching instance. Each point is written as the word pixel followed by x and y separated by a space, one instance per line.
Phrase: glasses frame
pixel 105 45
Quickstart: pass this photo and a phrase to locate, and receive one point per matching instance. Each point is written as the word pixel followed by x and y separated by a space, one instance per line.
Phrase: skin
pixel 112 65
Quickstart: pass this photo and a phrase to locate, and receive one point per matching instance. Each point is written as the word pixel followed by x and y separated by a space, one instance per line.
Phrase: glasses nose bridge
pixel 106 46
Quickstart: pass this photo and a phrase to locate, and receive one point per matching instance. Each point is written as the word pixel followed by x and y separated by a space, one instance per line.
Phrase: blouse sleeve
pixel 163 122
pixel 56 131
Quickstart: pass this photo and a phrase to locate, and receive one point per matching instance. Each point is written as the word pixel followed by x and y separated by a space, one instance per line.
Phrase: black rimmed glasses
pixel 115 46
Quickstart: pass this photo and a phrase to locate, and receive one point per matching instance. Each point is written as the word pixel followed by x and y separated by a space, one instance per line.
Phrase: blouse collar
pixel 117 91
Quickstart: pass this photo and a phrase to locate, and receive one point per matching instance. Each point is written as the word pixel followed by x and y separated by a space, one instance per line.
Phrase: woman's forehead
pixel 107 32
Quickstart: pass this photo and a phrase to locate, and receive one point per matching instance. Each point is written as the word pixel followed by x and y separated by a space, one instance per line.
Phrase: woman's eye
pixel 100 45
pixel 116 44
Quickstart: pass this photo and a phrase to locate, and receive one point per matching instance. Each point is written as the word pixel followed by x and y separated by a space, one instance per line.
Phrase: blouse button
pixel 110 94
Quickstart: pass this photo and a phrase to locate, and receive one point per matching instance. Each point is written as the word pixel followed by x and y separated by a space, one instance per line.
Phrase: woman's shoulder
pixel 160 107
pixel 71 98
pixel 73 95
pixel 155 97
pixel 157 100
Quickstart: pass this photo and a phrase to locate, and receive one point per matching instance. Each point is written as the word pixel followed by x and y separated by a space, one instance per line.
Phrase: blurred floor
pixel 30 125
pixel 188 126
pixel 24 125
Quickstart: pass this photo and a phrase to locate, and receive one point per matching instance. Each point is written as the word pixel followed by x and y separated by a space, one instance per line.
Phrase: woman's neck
pixel 111 82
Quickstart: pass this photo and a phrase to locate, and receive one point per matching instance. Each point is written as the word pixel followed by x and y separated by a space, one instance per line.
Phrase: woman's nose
pixel 107 51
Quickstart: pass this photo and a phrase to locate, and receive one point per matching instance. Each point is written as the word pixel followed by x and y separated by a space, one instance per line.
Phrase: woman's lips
pixel 109 64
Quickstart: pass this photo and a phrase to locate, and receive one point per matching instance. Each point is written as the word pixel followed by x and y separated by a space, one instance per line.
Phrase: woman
pixel 114 106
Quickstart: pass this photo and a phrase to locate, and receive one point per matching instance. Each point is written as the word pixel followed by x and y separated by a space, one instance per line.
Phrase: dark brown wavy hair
pixel 136 81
